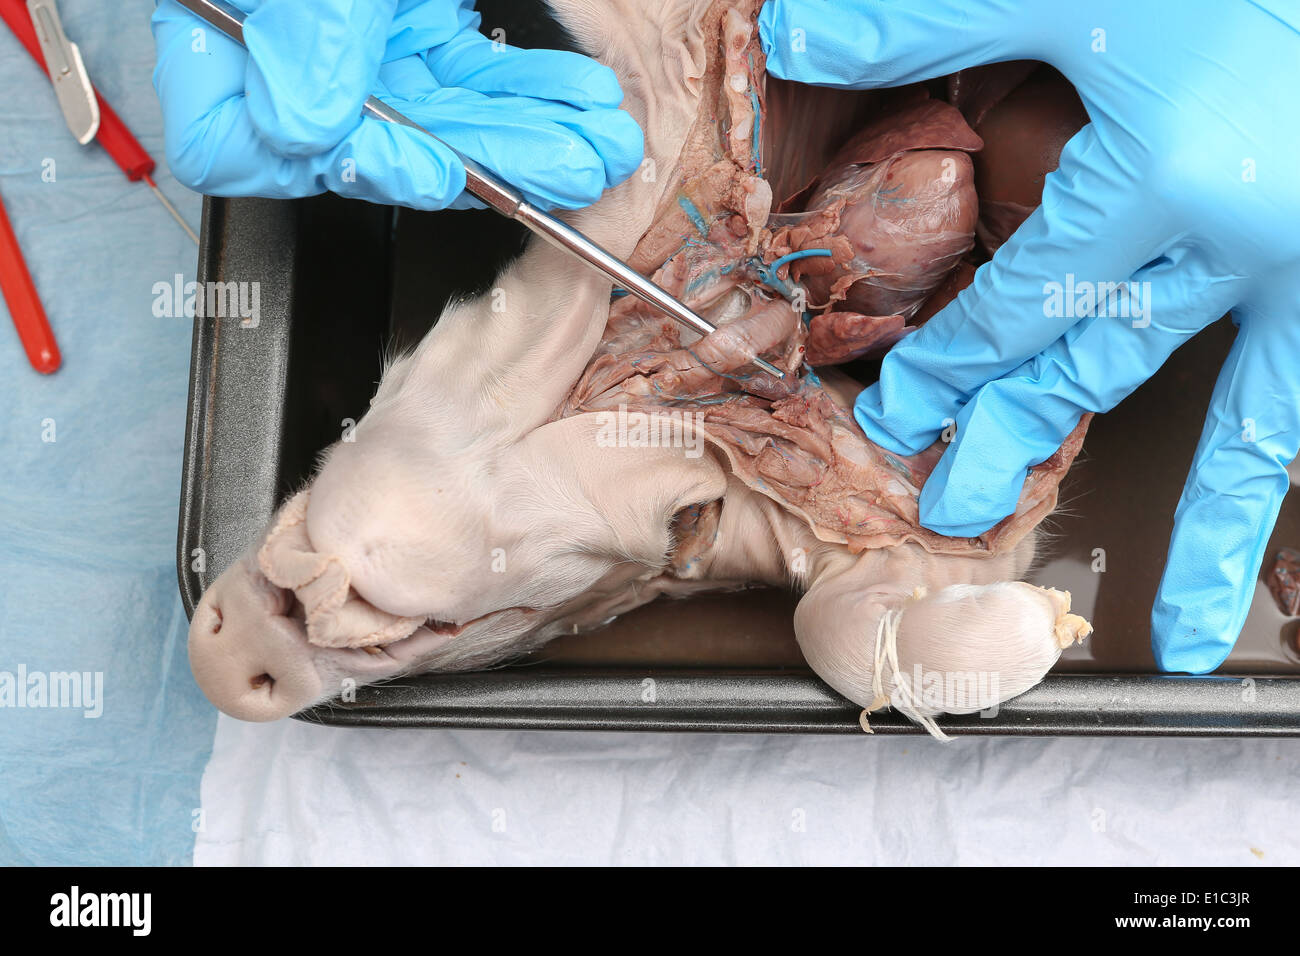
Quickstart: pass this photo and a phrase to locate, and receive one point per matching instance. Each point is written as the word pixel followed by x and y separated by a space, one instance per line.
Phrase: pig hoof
pixel 1068 628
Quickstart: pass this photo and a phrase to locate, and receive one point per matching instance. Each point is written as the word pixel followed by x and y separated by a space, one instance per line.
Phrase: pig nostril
pixel 216 627
pixel 261 680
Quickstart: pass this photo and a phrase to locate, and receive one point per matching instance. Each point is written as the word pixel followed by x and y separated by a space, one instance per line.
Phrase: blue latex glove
pixel 283 119
pixel 1185 179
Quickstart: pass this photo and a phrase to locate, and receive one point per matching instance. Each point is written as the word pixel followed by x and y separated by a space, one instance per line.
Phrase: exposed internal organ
pixel 854 256
pixel 896 208
pixel 1026 113
pixel 1284 581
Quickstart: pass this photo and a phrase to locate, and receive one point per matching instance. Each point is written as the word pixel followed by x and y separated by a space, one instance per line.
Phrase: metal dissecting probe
pixel 503 198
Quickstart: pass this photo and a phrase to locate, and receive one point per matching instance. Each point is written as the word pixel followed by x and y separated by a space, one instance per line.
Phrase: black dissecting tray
pixel 341 281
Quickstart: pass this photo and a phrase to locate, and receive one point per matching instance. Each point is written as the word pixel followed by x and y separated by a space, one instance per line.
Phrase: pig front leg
pixel 930 634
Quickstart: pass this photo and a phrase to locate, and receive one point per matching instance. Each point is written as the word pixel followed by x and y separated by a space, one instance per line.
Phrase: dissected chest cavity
pixel 871 227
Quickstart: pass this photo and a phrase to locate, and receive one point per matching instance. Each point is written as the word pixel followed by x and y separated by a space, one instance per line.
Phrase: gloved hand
pixel 1184 183
pixel 283 119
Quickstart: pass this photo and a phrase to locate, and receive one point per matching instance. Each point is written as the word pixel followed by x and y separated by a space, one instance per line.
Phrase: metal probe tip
pixel 171 209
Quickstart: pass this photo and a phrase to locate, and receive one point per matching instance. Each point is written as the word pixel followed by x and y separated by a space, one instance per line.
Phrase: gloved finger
pixel 555 154
pixel 873 43
pixel 379 162
pixel 211 144
pixel 199 78
pixel 612 133
pixel 1233 492
pixel 474 62
pixel 420 24
pixel 614 136
pixel 1020 420
pixel 223 155
pixel 198 67
pixel 394 165
pixel 1094 226
pixel 311 66
pixel 409 79
pixel 464 57
pixel 405 79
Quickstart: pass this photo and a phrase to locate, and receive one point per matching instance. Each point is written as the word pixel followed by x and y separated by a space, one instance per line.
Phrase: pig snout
pixel 250 658
pixel 252 654
pixel 282 629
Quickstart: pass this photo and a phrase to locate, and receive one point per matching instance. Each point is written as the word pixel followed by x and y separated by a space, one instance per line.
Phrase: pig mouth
pixel 443 629
pixel 813 227
pixel 332 612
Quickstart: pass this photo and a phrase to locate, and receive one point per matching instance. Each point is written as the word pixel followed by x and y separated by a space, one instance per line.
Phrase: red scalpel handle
pixel 24 304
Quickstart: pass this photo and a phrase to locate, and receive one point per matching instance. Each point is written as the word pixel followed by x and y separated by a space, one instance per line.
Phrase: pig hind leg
pixel 878 635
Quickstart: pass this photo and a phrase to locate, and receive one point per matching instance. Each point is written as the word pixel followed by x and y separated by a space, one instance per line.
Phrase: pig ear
pixel 633 491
